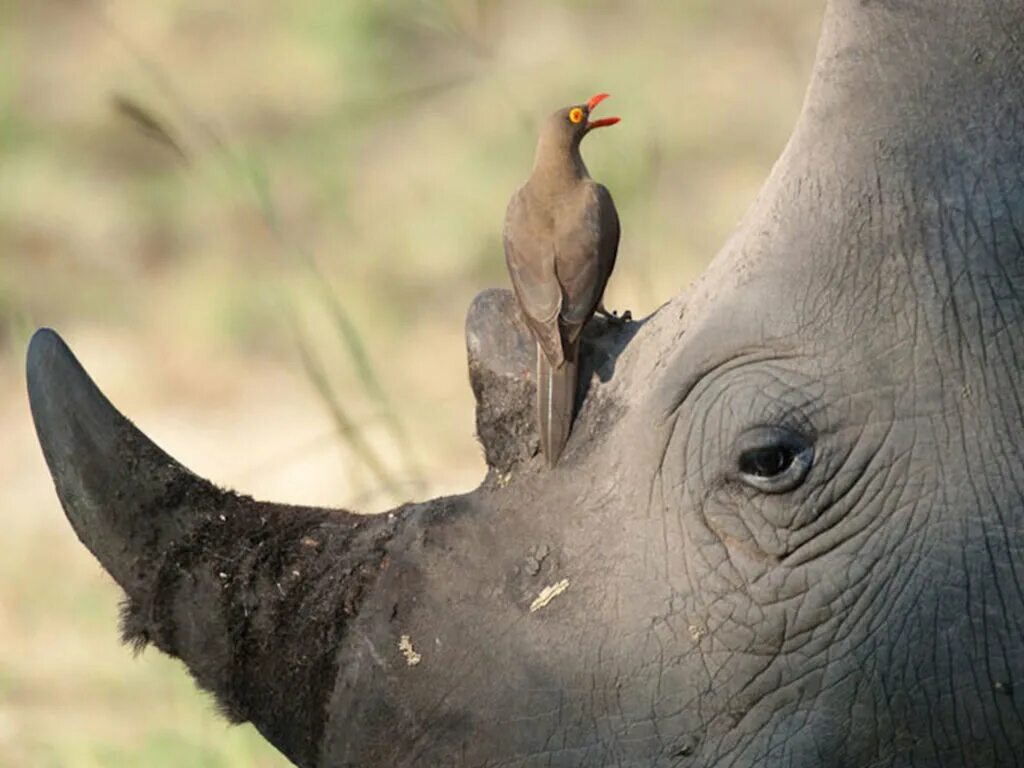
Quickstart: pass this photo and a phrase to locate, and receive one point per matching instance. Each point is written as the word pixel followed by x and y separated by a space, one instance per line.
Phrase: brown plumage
pixel 561 236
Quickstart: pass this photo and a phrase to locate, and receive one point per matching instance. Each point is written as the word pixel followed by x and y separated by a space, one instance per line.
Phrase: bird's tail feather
pixel 556 398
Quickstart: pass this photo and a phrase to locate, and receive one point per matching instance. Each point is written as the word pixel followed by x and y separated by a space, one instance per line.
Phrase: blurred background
pixel 259 226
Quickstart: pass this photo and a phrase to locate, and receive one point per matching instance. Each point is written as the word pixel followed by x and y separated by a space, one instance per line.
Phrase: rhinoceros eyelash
pixel 792 419
pixel 793 411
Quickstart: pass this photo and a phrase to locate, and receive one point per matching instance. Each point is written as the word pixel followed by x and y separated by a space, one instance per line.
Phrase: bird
pixel 561 237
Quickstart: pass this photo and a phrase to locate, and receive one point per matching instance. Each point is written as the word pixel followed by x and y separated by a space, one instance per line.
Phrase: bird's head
pixel 569 125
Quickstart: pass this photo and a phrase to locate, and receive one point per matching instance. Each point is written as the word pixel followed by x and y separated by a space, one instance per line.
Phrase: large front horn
pixel 254 597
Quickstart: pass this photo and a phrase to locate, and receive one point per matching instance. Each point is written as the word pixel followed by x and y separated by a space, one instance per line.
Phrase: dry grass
pixel 187 188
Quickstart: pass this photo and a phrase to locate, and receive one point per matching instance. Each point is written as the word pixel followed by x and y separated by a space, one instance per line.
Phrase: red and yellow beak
pixel 593 102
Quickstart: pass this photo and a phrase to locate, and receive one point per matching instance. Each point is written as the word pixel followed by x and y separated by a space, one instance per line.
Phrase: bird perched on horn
pixel 561 236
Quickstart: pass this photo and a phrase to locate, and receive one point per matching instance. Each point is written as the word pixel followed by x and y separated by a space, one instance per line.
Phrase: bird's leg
pixel 613 317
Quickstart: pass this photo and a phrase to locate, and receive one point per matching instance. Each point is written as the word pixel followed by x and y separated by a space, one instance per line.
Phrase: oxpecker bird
pixel 561 235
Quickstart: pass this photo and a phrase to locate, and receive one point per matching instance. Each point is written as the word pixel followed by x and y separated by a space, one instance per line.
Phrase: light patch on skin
pixel 405 646
pixel 548 594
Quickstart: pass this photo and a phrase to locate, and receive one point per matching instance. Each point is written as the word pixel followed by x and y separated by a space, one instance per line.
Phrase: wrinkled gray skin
pixel 868 310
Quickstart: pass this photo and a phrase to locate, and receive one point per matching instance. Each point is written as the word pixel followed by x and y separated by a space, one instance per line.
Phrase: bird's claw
pixel 614 318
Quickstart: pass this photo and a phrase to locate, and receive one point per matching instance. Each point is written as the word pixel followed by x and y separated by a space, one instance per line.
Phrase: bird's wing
pixel 586 255
pixel 531 265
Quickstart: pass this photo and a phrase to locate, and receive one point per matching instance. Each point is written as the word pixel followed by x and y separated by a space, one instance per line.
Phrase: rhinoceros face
pixel 787 527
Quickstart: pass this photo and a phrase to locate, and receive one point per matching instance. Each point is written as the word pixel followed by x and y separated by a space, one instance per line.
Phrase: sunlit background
pixel 259 226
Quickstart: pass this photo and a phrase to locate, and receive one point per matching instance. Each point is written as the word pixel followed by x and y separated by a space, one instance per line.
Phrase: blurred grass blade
pixel 148 124
pixel 350 337
pixel 253 169
pixel 163 82
pixel 346 426
pixel 367 375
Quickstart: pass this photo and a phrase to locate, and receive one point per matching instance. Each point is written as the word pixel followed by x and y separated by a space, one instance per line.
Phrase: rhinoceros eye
pixel 773 459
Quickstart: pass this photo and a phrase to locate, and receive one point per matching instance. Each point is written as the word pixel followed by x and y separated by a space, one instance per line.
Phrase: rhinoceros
pixel 788 527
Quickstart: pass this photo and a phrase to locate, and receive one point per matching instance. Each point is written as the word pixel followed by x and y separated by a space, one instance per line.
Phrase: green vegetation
pixel 260 227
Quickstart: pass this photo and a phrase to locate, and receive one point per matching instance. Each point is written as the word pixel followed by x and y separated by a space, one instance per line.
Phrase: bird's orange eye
pixel 576 115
